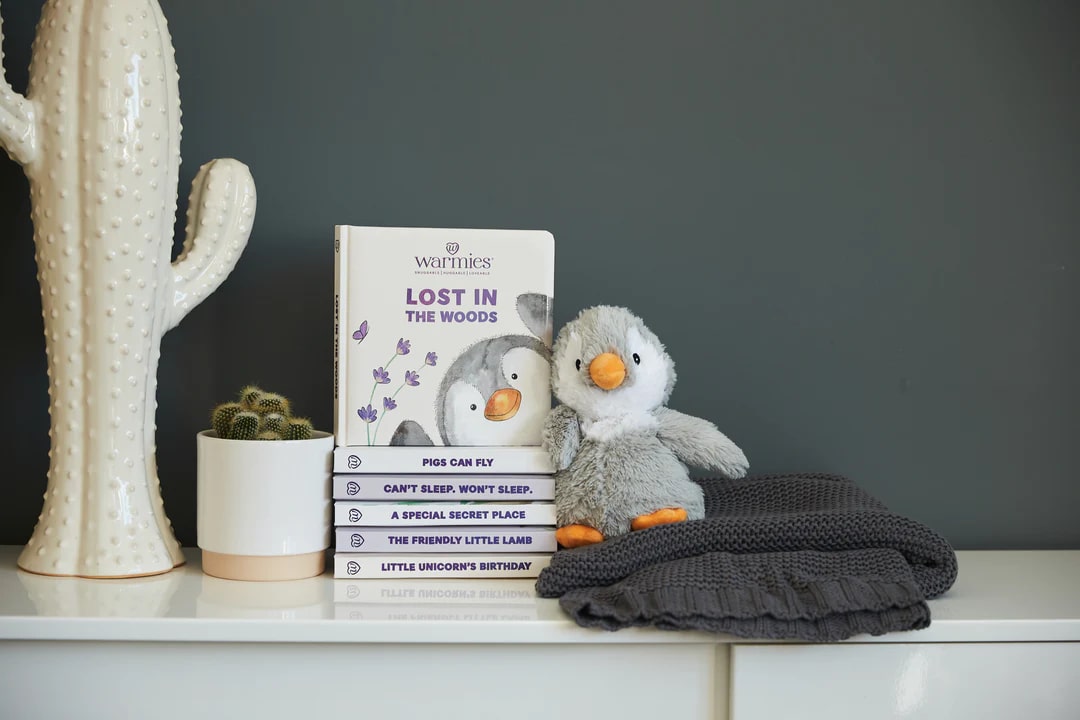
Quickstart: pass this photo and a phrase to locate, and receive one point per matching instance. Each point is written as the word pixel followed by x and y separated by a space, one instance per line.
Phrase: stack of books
pixel 486 512
pixel 442 384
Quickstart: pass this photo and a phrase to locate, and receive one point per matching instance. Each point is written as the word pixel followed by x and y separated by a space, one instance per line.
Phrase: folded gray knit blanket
pixel 808 557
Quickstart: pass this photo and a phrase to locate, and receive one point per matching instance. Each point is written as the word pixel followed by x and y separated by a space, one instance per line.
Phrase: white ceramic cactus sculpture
pixel 98 135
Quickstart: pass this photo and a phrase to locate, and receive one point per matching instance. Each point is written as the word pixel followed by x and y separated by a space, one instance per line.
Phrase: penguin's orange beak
pixel 502 405
pixel 607 371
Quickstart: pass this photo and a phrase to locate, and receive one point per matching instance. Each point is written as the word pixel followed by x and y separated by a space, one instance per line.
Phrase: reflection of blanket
pixel 808 557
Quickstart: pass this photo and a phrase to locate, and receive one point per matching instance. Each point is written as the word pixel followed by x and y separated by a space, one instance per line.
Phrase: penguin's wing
pixel 698 443
pixel 561 436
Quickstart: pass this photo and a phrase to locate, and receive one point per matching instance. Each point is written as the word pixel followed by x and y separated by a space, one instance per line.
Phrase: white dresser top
pixel 1000 596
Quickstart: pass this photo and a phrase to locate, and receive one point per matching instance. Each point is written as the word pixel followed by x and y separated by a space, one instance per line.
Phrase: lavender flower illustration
pixel 368 414
pixel 381 376
pixel 412 379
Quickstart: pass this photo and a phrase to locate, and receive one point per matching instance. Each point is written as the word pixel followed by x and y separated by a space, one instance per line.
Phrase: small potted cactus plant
pixel 259 415
pixel 264 503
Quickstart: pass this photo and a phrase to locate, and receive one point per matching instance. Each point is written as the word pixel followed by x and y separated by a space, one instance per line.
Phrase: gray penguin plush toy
pixel 620 455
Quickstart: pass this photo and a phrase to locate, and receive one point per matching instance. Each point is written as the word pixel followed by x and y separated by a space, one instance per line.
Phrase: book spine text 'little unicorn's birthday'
pixel 458 565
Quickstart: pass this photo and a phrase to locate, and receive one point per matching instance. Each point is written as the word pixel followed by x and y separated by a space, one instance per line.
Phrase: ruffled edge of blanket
pixel 821 611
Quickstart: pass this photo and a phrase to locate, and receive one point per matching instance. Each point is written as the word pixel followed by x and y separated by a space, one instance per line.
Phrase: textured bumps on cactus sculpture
pixel 98 135
pixel 259 415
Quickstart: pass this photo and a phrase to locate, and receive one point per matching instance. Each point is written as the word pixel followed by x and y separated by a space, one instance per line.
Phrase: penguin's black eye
pixel 513 376
pixel 637 359
pixel 577 364
pixel 473 406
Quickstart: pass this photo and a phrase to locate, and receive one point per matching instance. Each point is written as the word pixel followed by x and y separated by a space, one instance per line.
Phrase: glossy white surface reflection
pixel 306 599
pixel 933 681
pixel 999 597
pixel 1005 643
pixel 912 682
pixel 65 597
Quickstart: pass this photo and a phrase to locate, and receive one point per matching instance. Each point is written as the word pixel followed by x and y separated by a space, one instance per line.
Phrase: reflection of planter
pixel 264 506
pixel 306 599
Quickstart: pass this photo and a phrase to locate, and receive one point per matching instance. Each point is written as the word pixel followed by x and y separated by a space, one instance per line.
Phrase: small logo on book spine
pixel 355 515
pixel 352 567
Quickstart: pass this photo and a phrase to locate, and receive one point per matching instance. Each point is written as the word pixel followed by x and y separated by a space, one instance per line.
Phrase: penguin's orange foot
pixel 572 536
pixel 660 517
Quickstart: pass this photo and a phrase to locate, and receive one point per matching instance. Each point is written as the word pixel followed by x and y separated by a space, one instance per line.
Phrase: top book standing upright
pixel 442 336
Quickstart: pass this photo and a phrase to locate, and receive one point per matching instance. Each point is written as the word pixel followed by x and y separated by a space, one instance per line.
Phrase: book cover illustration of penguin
pixel 620 455
pixel 498 390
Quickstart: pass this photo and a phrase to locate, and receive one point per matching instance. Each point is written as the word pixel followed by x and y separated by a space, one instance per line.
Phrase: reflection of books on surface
pixel 436 565
pixel 459 487
pixel 434 613
pixel 372 513
pixel 505 539
pixel 412 591
pixel 443 460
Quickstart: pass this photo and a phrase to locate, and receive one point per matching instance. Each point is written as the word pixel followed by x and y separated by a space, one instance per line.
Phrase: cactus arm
pixel 18 129
pixel 220 215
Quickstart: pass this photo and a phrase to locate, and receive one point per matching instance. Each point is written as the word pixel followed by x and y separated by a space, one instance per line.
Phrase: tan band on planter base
pixel 263 568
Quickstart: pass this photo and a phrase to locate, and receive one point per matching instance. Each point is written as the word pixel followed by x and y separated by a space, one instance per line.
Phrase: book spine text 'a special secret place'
pixel 376 514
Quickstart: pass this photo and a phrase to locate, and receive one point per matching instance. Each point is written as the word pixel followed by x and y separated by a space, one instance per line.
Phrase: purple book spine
pixel 405 565
pixel 445 539
pixel 426 487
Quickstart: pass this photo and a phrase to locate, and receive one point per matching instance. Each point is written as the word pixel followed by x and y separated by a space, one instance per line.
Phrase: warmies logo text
pixel 452 261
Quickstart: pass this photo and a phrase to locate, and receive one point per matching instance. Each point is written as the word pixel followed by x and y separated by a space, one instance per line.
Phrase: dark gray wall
pixel 854 224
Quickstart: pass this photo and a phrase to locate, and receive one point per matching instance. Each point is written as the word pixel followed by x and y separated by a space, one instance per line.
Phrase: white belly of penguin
pixel 612 428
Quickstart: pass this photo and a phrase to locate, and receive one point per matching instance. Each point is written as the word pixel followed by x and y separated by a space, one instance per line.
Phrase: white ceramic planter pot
pixel 264 507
